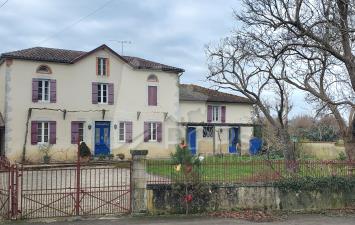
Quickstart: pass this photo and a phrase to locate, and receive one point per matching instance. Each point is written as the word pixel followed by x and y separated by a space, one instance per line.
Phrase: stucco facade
pixel 74 93
pixel 196 112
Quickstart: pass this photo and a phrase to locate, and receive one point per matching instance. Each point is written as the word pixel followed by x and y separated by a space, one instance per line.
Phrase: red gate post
pixel 77 199
pixel 14 191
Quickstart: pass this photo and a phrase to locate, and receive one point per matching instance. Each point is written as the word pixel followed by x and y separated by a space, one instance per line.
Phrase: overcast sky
pixel 172 32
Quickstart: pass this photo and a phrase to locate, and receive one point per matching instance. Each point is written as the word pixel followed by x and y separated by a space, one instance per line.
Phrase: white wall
pixel 2 88
pixel 193 111
pixel 74 93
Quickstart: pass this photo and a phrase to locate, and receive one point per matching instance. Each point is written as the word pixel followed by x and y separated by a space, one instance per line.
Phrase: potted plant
pixel 110 157
pixel 121 156
pixel 84 152
pixel 45 150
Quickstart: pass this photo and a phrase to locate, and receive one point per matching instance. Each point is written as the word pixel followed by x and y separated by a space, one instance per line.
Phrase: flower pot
pixel 46 159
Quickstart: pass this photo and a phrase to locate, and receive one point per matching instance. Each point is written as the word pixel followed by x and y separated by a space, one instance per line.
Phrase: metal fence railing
pixel 234 170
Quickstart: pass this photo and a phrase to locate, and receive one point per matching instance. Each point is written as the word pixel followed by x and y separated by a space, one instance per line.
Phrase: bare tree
pixel 328 88
pixel 234 65
pixel 312 42
pixel 295 25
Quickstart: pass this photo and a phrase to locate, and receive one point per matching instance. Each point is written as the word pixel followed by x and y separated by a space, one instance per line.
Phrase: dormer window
pixel 102 66
pixel 44 69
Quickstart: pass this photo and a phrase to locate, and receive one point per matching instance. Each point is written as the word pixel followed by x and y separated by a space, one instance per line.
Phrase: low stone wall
pixel 254 197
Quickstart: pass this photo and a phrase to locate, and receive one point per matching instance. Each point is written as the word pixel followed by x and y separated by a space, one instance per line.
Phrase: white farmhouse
pixel 114 103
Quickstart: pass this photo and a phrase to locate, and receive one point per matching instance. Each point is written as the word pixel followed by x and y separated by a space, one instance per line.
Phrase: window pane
pixel 149 131
pixel 106 136
pixel 40 89
pixel 45 132
pixel 104 66
pixel 104 93
pixel 154 125
pixel 99 93
pixel 97 135
pixel 121 132
pixel 207 132
pixel 46 90
pixel 81 131
pixel 39 132
pixel 99 66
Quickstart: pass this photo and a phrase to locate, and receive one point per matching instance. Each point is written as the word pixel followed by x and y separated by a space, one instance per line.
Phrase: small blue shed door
pixel 102 138
pixel 233 139
pixel 191 139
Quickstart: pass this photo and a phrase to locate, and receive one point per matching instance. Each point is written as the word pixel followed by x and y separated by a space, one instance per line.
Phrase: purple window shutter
pixel 52 132
pixel 94 92
pixel 53 88
pixel 152 95
pixel 34 90
pixel 34 130
pixel 209 114
pixel 159 131
pixel 146 131
pixel 223 117
pixel 129 132
pixel 111 93
pixel 74 132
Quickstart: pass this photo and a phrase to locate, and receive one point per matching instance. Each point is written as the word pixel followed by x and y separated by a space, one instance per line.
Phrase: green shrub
pixel 199 193
pixel 84 150
pixel 342 156
pixel 333 183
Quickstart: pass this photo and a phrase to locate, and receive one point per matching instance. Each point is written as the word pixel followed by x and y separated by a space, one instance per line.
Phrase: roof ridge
pixel 68 56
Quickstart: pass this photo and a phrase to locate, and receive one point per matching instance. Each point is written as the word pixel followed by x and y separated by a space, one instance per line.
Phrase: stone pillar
pixel 139 182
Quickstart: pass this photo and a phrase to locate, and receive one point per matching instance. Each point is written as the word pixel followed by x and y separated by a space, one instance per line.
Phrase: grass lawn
pixel 235 169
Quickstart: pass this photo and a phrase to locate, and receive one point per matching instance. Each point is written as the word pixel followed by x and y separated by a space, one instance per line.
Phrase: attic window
pixel 44 69
pixel 152 78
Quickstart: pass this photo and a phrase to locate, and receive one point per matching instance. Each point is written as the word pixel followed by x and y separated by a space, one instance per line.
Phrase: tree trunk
pixel 288 151
pixel 350 149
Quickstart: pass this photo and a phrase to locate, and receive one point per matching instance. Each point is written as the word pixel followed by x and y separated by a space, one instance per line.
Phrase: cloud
pixel 173 32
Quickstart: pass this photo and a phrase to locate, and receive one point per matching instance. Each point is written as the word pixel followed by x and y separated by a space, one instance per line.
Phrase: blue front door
pixel 102 138
pixel 191 139
pixel 233 139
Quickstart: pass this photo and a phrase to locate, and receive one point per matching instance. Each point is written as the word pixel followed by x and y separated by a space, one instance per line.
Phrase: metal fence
pixel 28 192
pixel 5 183
pixel 68 191
pixel 234 170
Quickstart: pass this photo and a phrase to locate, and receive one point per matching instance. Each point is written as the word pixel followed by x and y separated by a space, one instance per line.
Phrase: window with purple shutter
pixel 74 132
pixel 209 113
pixel 34 90
pixel 152 95
pixel 77 131
pixel 159 132
pixel 34 134
pixel 94 93
pixel 223 112
pixel 52 132
pixel 111 93
pixel 146 131
pixel 53 90
pixel 129 133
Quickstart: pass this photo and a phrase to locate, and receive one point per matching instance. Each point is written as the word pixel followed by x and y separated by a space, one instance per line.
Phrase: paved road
pixel 180 220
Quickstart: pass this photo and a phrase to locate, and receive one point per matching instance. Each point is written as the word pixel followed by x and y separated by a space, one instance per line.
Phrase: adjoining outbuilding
pixel 56 98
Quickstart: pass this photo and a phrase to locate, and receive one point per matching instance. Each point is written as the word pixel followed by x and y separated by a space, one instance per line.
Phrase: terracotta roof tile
pixel 70 56
pixel 191 92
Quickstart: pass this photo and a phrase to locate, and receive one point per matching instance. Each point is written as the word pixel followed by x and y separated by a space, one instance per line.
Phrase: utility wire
pixel 3 3
pixel 76 22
